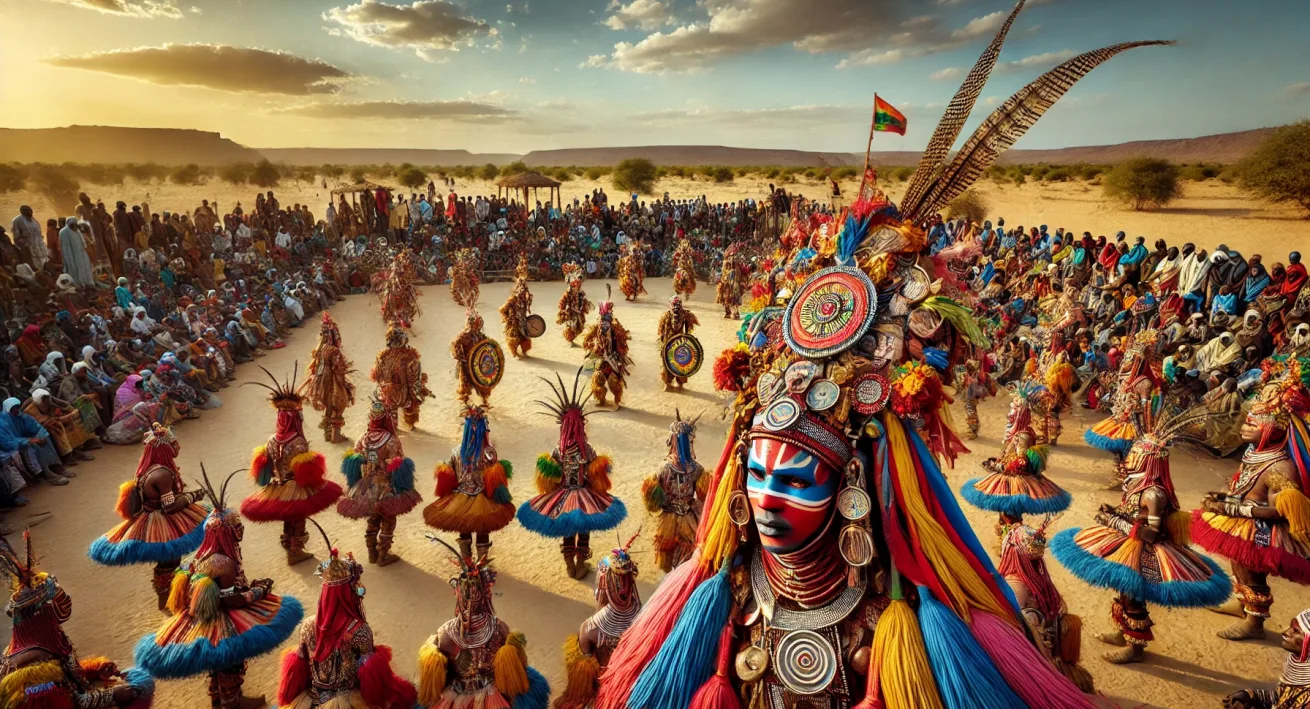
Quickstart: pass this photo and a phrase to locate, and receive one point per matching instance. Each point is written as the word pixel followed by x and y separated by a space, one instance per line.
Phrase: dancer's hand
pixel 125 695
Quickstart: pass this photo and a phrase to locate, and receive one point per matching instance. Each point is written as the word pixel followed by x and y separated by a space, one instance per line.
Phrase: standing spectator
pixel 27 238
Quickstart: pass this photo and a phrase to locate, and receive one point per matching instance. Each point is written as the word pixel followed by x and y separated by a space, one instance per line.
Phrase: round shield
pixel 534 326
pixel 486 363
pixel 869 393
pixel 830 312
pixel 683 356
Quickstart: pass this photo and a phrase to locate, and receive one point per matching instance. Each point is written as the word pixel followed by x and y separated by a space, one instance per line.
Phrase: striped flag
pixel 886 118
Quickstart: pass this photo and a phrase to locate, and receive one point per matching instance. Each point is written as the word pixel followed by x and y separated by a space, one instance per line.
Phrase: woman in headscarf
pixel 85 397
pixel 1257 279
pixel 131 265
pixel 64 423
pixel 31 346
pixel 1217 354
pixel 54 368
pixel 77 263
pixel 23 437
pixel 15 375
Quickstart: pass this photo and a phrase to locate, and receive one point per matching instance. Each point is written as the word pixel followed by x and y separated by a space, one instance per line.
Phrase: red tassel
pixel 295 677
pixel 446 480
pixel 258 462
pixel 394 463
pixel 380 686
pixel 717 692
pixel 309 469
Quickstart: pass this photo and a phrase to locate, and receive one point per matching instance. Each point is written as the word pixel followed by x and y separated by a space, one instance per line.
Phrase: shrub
pixel 1063 173
pixel 1143 182
pixel 1279 169
pixel 332 171
pixel 515 168
pixel 1091 172
pixel 146 172
pixel 593 173
pixel 488 172
pixel 722 174
pixel 412 177
pixel 358 174
pixel 998 173
pixel 1200 172
pixel 236 173
pixel 635 175
pixel 970 205
pixel 265 174
pixel 901 174
pixel 58 186
pixel 845 173
pixel 11 179
pixel 188 174
pixel 563 174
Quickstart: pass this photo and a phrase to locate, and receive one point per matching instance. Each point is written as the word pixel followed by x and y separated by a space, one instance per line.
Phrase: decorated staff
pixel 220 620
pixel 479 361
pixel 632 271
pixel 161 520
pixel 676 494
pixel 790 599
pixel 587 652
pixel 1140 548
pixel 40 668
pixel 574 483
pixel 606 343
pixel 398 372
pixel 336 665
pixel 474 660
pixel 732 281
pixel 381 482
pixel 291 478
pixel 573 304
pixel 677 322
pixel 328 385
pixel 473 498
pixel 684 269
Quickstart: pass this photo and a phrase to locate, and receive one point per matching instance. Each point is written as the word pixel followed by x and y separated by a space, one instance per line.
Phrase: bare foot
pixel 1249 629
pixel 1116 639
pixel 1126 656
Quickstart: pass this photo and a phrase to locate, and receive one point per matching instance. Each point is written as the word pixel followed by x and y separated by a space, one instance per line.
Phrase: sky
pixel 518 75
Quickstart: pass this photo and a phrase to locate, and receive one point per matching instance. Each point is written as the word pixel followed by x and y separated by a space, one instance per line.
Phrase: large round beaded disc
pixel 830 312
pixel 486 363
pixel 781 414
pixel 869 393
pixel 804 662
pixel 683 355
pixel 853 503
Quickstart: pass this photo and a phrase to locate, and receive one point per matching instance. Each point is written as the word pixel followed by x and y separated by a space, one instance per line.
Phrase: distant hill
pixel 688 155
pixel 1225 148
pixel 112 144
pixel 382 156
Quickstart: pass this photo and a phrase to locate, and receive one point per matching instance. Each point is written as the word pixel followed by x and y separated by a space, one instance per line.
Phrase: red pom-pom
pixel 295 677
pixel 380 686
pixel 446 480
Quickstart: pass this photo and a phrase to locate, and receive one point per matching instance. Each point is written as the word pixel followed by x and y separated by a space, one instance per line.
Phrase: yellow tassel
pixel 511 672
pixel 179 593
pixel 1179 526
pixel 431 672
pixel 124 495
pixel 1129 553
pixel 598 474
pixel 204 599
pixel 721 535
pixel 899 653
pixel 965 588
pixel 583 673
pixel 13 687
pixel 1071 639
pixel 1293 505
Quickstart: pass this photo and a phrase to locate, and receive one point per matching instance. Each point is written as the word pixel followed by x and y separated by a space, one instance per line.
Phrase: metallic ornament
pixel 766 388
pixel 869 393
pixel 799 375
pixel 822 395
pixel 856 545
pixel 534 326
pixel 739 508
pixel 683 356
pixel 486 363
pixel 751 664
pixel 853 503
pixel 781 414
pixel 830 312
pixel 804 662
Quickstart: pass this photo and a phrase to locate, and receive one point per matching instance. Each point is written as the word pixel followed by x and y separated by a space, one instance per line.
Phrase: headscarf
pixel 53 367
pixel 1256 280
pixel 129 394
pixel 10 403
pixel 1217 354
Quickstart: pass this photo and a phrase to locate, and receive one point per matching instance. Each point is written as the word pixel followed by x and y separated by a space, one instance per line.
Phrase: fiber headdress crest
pixel 567 408
pixel 283 395
pixel 335 570
pixel 474 582
pixel 30 587
pixel 328 328
pixel 618 561
pixel 159 435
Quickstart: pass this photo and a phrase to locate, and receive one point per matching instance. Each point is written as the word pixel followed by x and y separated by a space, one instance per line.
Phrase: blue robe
pixel 76 261
pixel 15 432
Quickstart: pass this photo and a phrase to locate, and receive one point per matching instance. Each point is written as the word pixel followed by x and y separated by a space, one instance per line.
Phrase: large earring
pixel 739 506
pixel 854 505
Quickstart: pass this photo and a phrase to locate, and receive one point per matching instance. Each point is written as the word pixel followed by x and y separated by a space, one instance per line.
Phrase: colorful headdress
pixel 283 395
pixel 572 272
pixel 567 408
pixel 377 408
pixel 473 439
pixel 681 435
pixel 221 514
pixel 473 584
pixel 159 435
pixel 606 307
pixel 30 588
pixel 328 328
pixel 335 570
pixel 616 576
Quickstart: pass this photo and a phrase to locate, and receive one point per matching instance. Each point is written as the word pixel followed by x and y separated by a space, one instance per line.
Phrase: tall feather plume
pixel 326 540
pixel 948 128
pixel 1007 124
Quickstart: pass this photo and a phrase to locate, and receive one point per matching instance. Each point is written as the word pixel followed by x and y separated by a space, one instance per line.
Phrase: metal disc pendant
pixel 823 394
pixel 781 414
pixel 751 664
pixel 739 508
pixel 856 545
pixel 766 387
pixel 853 503
pixel 804 662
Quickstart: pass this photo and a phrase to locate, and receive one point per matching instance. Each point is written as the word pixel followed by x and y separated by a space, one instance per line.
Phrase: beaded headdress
pixel 328 327
pixel 159 435
pixel 221 514
pixel 30 588
pixel 567 406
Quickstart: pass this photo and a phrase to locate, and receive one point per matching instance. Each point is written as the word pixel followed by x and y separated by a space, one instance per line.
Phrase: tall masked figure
pixel 833 566
pixel 606 343
pixel 732 281
pixel 587 653
pixel 632 271
pixel 161 520
pixel 381 483
pixel 483 379
pixel 676 494
pixel 328 385
pixel 336 664
pixel 573 304
pixel 684 270
pixel 573 482
pixel 398 373
pixel 474 661
pixel 473 498
pixel 675 321
pixel 399 295
pixel 1138 387
pixel 464 276
pixel 1261 523
pixel 290 477
pixel 220 619
pixel 41 669
pixel 514 315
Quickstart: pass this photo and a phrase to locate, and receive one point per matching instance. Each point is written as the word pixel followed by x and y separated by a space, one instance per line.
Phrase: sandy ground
pixel 407 601
pixel 1209 213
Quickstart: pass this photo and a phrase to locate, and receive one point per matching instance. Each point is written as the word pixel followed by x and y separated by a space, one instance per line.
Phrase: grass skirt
pixel 468 514
pixel 675 539
pixel 567 511
pixel 537 696
pixel 185 646
pixel 1260 546
pixel 289 501
pixel 1016 495
pixel 361 504
pixel 1108 558
pixel 152 537
pixel 1112 435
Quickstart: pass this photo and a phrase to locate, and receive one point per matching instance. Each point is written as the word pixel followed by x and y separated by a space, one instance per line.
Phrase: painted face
pixel 1294 638
pixel 791 494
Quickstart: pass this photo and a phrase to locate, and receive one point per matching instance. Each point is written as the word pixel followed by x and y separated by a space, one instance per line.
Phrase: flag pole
pixel 873 121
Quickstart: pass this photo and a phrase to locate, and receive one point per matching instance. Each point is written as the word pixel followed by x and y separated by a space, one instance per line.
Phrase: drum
pixel 486 363
pixel 534 326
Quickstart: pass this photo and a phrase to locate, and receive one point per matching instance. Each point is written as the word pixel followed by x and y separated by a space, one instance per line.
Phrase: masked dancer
pixel 606 343
pixel 398 373
pixel 1139 385
pixel 632 271
pixel 461 349
pixel 1061 380
pixel 675 321
pixel 587 652
pixel 974 385
pixel 684 269
pixel 464 276
pixel 328 386
pixel 381 483
pixel 733 277
pixel 514 314
pixel 573 305
pixel 399 294
pixel 675 495
pixel 473 498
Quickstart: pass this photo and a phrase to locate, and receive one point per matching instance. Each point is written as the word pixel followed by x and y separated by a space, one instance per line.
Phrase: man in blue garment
pixel 21 434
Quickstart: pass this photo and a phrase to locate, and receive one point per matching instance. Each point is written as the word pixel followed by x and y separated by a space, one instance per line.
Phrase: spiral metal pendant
pixel 804 662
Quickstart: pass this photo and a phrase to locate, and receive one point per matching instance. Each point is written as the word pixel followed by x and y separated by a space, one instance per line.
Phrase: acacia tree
pixel 1279 169
pixel 1143 182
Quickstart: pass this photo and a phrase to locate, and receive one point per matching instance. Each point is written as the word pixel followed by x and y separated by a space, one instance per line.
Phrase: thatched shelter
pixel 525 181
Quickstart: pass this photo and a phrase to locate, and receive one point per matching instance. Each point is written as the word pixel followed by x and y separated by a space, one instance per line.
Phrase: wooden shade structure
pixel 525 181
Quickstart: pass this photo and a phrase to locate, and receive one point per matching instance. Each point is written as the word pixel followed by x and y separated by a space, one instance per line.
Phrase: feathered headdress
pixel 30 587
pixel 567 408
pixel 335 570
pixel 472 572
pixel 283 395
pixel 606 307
pixel 328 327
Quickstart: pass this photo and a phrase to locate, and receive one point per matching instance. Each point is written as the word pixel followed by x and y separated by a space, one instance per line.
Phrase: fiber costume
pixel 1293 691
pixel 789 599
pixel 1015 485
pixel 684 270
pixel 587 652
pixel 328 387
pixel 336 665
pixel 161 520
pixel 675 496
pixel 1140 548
pixel 675 321
pixel 474 661
pixel 1058 632
pixel 732 281
pixel 381 482
pixel 514 314
pixel 472 488
pixel 398 373
pixel 1061 379
pixel 220 620
pixel 974 385
pixel 1139 385
pixel 574 484
pixel 573 305
pixel 40 669
pixel 462 348
pixel 606 343
pixel 464 276
pixel 1261 523
pixel 632 271
pixel 290 476
pixel 399 295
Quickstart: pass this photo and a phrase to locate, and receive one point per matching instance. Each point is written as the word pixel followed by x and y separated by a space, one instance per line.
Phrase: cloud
pixel 639 14
pixel 128 8
pixel 950 72
pixel 527 80
pixel 981 26
pixel 595 61
pixel 424 26
pixel 1297 90
pixel 783 116
pixel 459 110
pixel 195 10
pixel 236 69
pixel 1043 61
